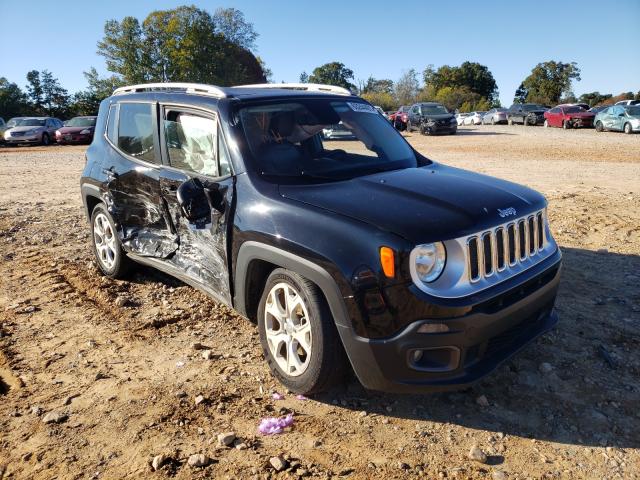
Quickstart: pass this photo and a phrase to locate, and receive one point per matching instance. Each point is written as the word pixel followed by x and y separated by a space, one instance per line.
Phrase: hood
pixel 442 116
pixel 424 204
pixel 73 129
pixel 24 129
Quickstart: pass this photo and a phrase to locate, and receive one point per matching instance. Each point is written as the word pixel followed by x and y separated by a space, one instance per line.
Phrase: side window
pixel 135 131
pixel 192 142
pixel 111 123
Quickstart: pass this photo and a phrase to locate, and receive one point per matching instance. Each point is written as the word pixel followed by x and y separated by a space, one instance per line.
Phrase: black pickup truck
pixel 526 113
pixel 357 253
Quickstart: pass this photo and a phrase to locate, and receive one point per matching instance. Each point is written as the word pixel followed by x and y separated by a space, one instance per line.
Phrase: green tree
pixel 471 76
pixel 88 101
pixel 304 77
pixel 334 73
pixel 374 85
pixel 406 88
pixel 548 81
pixel 384 100
pixel 231 23
pixel 13 101
pixel 594 98
pixel 35 92
pixel 182 44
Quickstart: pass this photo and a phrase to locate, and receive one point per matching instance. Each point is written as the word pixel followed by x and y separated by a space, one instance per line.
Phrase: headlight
pixel 429 260
pixel 86 131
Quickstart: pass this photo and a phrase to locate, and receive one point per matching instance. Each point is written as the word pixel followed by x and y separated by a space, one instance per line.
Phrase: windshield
pixel 635 111
pixel 81 122
pixel 434 110
pixel 26 122
pixel 531 108
pixel 574 109
pixel 289 139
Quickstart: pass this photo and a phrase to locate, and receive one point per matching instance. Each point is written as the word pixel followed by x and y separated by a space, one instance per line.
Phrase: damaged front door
pixel 198 188
pixel 131 174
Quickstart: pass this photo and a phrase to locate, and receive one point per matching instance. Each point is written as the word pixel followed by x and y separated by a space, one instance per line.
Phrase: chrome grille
pixel 505 246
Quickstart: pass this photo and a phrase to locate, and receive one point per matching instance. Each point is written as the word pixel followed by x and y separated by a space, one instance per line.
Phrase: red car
pixel 399 119
pixel 77 130
pixel 568 116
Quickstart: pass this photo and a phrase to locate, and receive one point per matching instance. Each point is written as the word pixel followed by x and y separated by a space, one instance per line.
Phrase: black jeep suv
pixel 431 118
pixel 526 113
pixel 360 251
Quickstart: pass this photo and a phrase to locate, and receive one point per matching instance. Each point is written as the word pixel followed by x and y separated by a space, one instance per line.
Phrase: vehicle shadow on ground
pixel 470 131
pixel 589 394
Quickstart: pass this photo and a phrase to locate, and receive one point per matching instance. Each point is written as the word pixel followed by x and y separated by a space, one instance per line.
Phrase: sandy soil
pixel 116 359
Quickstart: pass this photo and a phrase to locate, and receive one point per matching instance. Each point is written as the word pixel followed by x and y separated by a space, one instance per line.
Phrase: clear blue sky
pixel 378 38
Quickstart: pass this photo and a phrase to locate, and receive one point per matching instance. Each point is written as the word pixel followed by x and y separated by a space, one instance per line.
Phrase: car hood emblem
pixel 506 212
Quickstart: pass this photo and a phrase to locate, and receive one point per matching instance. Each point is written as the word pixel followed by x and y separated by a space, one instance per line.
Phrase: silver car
pixel 495 115
pixel 31 130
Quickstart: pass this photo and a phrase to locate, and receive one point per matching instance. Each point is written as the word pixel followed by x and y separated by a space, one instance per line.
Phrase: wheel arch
pixel 90 198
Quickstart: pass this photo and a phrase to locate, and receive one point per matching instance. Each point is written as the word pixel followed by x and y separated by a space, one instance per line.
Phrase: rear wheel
pixel 627 128
pixel 110 256
pixel 298 335
pixel 599 127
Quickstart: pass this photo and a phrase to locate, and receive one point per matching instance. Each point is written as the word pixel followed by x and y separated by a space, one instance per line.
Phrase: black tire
pixel 327 364
pixel 45 139
pixel 121 263
pixel 599 126
pixel 627 128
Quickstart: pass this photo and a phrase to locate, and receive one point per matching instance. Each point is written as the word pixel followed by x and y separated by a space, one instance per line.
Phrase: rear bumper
pixel 474 345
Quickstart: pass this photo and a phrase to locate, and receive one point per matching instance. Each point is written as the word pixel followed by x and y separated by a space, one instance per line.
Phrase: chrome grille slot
pixel 540 230
pixel 522 239
pixel 487 254
pixel 500 251
pixel 474 259
pixel 505 247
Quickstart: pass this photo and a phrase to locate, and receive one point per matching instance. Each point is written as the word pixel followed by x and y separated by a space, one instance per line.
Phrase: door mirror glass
pixel 193 201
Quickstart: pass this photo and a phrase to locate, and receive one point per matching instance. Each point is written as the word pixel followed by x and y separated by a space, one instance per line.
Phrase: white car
pixel 628 102
pixel 460 117
pixel 474 118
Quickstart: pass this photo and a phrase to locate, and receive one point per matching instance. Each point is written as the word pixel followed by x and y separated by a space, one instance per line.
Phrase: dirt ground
pixel 117 360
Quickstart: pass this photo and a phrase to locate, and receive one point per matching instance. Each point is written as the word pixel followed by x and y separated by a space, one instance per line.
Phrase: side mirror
pixel 193 201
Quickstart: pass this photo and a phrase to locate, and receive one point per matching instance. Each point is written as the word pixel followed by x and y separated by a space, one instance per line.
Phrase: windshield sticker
pixel 362 107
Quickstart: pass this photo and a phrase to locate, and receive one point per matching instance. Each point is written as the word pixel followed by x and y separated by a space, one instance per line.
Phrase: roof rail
pixel 312 87
pixel 195 88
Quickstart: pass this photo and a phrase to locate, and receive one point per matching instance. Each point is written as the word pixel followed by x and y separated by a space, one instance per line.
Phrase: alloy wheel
pixel 288 329
pixel 105 241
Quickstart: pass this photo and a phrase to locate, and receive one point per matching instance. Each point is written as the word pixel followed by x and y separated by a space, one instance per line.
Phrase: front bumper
pixel 73 138
pixel 22 140
pixel 474 345
pixel 436 128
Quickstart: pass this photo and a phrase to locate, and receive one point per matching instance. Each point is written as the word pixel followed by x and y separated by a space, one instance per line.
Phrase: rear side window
pixel 135 131
pixel 111 124
pixel 192 142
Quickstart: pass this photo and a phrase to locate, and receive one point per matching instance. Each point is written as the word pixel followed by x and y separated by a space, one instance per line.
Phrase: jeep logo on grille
pixel 506 212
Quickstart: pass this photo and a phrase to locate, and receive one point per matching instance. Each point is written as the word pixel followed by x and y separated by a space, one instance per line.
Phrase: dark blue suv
pixel 357 251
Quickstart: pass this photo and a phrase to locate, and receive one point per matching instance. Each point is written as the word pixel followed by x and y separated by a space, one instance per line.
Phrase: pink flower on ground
pixel 274 425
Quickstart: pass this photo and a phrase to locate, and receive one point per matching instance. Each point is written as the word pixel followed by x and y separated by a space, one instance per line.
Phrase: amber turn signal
pixel 387 261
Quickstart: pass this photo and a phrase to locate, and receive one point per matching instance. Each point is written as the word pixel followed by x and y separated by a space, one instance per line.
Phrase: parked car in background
pixel 598 109
pixel 381 112
pixel 621 118
pixel 31 130
pixel 2 129
pixel 495 116
pixel 399 119
pixel 460 118
pixel 77 130
pixel 474 118
pixel 337 132
pixel 568 116
pixel 628 102
pixel 526 113
pixel 431 118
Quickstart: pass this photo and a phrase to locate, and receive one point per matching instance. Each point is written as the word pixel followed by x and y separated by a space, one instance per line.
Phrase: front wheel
pixel 599 127
pixel 45 139
pixel 298 335
pixel 627 128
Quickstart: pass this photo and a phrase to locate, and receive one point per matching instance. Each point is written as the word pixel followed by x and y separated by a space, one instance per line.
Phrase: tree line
pixel 191 45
